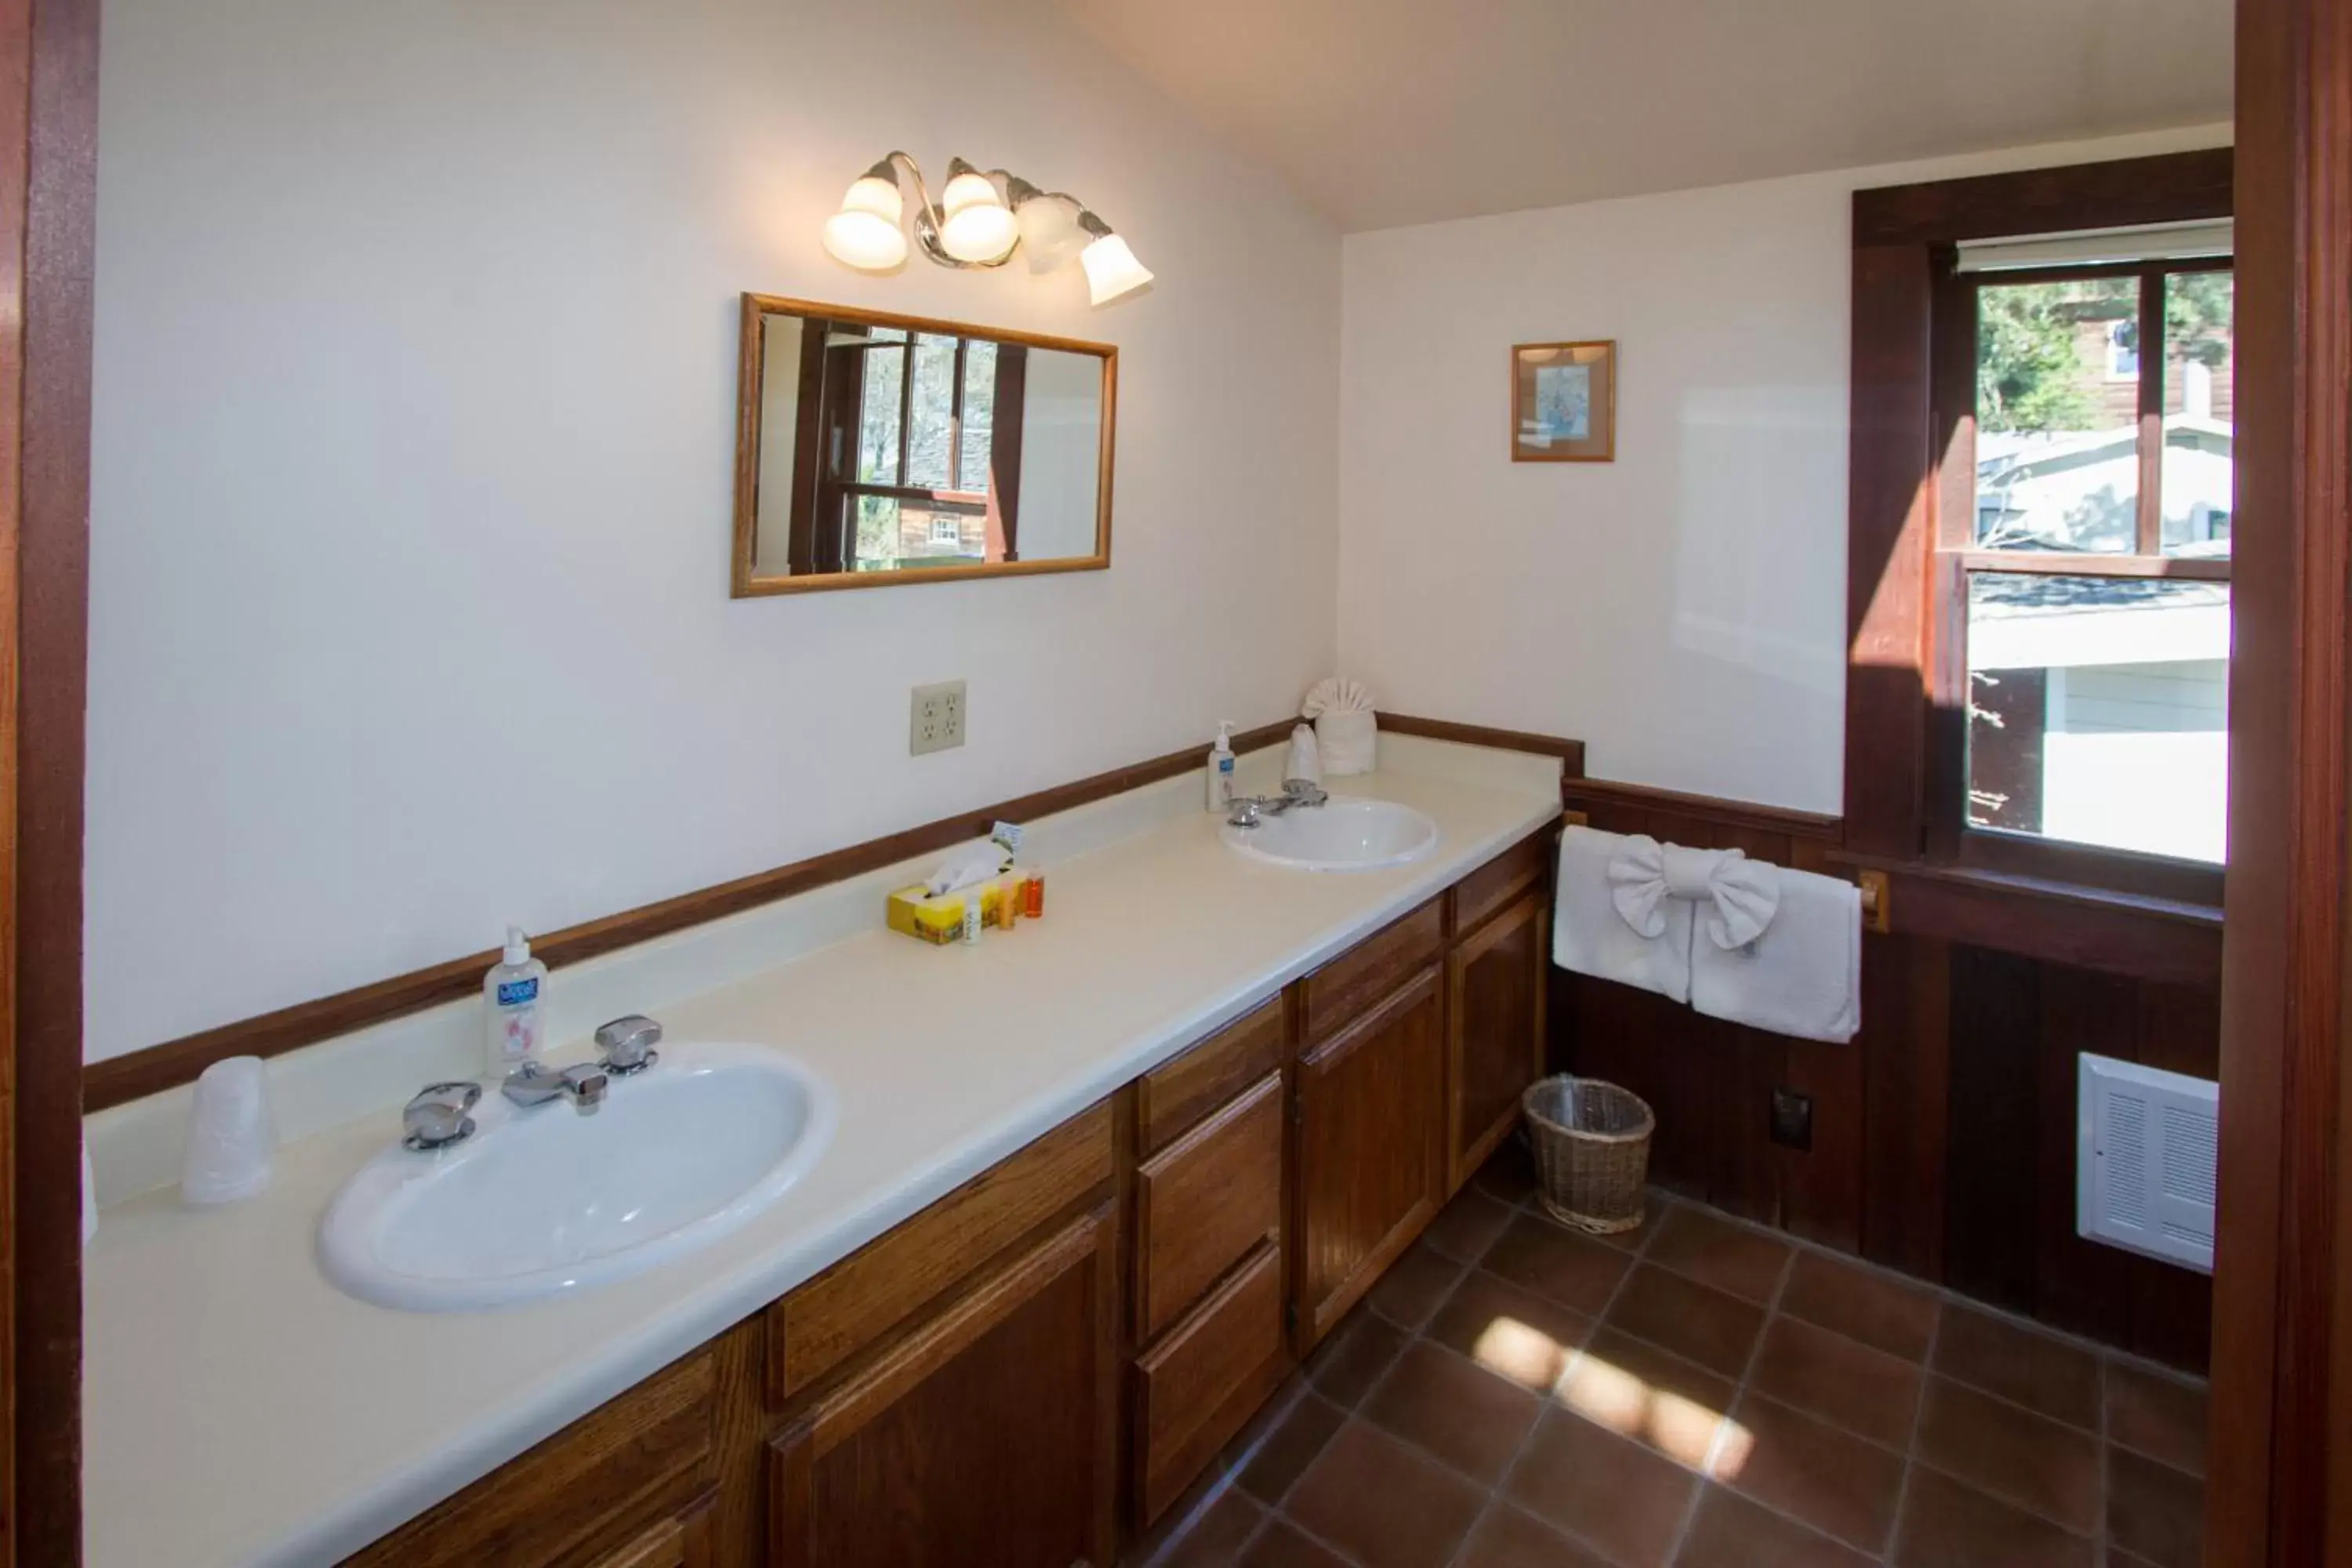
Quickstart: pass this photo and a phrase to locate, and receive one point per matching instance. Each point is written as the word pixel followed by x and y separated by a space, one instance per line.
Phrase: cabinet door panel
pixel 1371 1123
pixel 1496 1031
pixel 984 1440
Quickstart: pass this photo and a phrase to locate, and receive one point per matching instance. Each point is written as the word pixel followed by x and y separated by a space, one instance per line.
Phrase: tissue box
pixel 940 919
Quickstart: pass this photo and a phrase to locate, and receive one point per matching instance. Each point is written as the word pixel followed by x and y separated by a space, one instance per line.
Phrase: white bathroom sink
pixel 1344 834
pixel 545 1201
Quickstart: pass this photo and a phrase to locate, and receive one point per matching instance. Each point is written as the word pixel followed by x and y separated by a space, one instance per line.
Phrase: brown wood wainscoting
pixel 1942 1137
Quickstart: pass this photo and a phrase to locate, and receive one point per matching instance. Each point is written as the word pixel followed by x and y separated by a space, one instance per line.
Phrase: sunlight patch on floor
pixel 1682 1428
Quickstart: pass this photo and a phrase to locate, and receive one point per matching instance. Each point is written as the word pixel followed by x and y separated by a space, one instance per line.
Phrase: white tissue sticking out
pixel 965 867
pixel 1334 695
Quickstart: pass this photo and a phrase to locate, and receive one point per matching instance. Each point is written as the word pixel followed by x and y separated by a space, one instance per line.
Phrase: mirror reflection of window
pixel 875 448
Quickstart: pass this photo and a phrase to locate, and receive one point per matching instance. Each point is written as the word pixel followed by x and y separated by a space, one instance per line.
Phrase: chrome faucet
pixel 436 1117
pixel 1252 810
pixel 532 1084
pixel 627 1044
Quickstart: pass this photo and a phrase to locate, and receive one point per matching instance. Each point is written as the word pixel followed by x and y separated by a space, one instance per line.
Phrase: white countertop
pixel 237 1409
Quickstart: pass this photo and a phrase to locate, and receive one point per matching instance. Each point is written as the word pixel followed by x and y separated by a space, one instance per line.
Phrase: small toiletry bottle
pixel 1032 896
pixel 972 909
pixel 513 992
pixel 1221 769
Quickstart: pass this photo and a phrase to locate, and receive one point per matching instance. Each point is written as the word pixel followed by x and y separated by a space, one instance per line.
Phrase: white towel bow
pixel 1744 894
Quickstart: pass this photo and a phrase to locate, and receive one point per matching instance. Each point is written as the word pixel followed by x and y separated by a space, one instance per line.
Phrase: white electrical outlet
pixel 937 722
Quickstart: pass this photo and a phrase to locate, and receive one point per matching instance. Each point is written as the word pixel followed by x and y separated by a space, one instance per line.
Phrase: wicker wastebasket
pixel 1592 1143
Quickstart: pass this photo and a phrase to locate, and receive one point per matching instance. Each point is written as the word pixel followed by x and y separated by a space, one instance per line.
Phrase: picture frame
pixel 1564 402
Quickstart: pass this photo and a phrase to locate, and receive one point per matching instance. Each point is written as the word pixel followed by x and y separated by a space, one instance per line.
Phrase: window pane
pixel 2199 427
pixel 877 533
pixel 932 413
pixel 2058 415
pixel 2098 709
pixel 979 415
pixel 877 418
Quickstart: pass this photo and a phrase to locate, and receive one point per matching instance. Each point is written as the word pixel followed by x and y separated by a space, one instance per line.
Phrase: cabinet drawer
pixel 1500 880
pixel 1340 992
pixel 1180 1092
pixel 1196 1388
pixel 681 1541
pixel 1202 1203
pixel 574 1493
pixel 851 1304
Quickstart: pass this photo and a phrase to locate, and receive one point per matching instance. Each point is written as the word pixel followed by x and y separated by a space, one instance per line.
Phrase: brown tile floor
pixel 1702 1394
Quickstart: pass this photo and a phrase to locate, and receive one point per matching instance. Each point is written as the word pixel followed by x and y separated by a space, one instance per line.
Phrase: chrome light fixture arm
pixel 928 218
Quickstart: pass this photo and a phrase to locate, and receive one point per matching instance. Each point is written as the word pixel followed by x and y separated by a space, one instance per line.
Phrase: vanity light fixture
pixel 980 220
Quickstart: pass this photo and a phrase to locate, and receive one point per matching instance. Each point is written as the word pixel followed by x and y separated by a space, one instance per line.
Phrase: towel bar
pixel 1876 896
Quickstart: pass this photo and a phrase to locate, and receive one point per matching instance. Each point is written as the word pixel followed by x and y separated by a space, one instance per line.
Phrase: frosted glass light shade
pixel 1049 231
pixel 980 231
pixel 1111 270
pixel 864 233
pixel 864 240
pixel 968 187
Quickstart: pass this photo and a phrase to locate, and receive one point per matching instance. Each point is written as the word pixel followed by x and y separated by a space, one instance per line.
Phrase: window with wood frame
pixel 2093 585
pixel 2040 499
pixel 917 456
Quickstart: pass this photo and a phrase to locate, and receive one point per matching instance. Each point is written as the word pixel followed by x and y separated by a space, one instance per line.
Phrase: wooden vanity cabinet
pixel 1050 1354
pixel 986 1439
pixel 1495 1031
pixel 1371 1165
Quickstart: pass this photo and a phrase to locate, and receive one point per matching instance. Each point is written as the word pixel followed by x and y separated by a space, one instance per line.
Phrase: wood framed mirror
pixel 874 450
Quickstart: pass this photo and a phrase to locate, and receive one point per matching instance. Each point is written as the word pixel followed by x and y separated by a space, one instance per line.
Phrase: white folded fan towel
pixel 1592 935
pixel 1345 732
pixel 1801 976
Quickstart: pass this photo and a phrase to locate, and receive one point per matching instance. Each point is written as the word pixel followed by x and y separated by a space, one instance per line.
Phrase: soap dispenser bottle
pixel 513 994
pixel 1221 769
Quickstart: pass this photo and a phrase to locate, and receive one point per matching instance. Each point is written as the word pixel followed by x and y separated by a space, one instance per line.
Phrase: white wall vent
pixel 2146 1154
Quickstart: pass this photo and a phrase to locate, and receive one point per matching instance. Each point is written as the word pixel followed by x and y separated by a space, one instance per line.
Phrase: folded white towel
pixel 1334 695
pixel 1739 894
pixel 1591 936
pixel 1802 976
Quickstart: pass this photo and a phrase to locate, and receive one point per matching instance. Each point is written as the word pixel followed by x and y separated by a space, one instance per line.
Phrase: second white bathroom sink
pixel 1344 834
pixel 543 1202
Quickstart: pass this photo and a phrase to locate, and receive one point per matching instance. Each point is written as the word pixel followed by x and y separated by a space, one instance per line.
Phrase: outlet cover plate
pixel 936 722
pixel 1793 1120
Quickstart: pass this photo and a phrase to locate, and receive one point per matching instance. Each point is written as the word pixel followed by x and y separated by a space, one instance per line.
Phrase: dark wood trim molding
pixel 1570 753
pixel 48 60
pixel 2148 938
pixel 2171 187
pixel 120 1079
pixel 2280 1450
pixel 1808 825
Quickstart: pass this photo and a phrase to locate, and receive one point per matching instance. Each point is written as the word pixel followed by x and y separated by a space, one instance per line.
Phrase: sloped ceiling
pixel 1383 112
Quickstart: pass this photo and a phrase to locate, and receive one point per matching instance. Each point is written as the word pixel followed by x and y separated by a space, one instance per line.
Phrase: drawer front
pixel 851 1304
pixel 1202 1203
pixel 1500 880
pixel 568 1495
pixel 1174 1095
pixel 1344 989
pixel 1200 1385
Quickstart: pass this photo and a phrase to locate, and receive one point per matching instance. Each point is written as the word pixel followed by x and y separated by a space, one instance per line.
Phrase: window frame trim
pixel 1912 500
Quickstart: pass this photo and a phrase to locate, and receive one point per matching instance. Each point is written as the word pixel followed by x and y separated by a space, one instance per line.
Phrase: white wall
pixel 413 459
pixel 1061 456
pixel 1681 609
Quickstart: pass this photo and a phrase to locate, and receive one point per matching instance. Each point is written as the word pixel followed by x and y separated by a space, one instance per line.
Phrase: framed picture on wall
pixel 1564 403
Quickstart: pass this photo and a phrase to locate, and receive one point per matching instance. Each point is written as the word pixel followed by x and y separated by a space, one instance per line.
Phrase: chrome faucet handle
pixel 1304 792
pixel 1247 812
pixel 626 1044
pixel 436 1117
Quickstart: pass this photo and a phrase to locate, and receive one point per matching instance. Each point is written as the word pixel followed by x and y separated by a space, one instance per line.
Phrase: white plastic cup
pixel 230 1135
